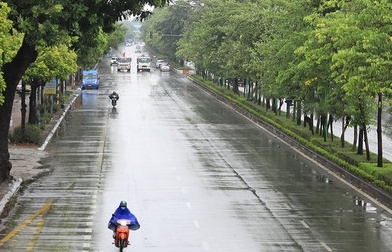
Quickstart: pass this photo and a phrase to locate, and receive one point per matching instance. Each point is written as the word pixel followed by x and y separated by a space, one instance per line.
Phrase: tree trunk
pixel 330 122
pixel 355 137
pixel 288 105
pixel 295 104
pixel 366 140
pixel 273 106
pixel 311 126
pixel 33 119
pixel 342 136
pixel 360 141
pixel 267 104
pixel 23 110
pixel 280 106
pixel 323 127
pixel 235 86
pixel 13 72
pixel 379 132
pixel 299 111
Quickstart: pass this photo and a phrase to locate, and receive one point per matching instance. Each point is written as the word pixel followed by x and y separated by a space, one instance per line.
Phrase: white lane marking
pixel 304 224
pixel 326 247
pixel 196 223
pixel 189 205
pixel 287 206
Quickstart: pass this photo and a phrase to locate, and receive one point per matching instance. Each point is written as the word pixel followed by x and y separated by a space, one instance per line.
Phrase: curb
pixel 47 140
pixel 14 188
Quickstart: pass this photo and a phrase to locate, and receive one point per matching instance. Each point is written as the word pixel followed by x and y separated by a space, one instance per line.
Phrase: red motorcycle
pixel 122 234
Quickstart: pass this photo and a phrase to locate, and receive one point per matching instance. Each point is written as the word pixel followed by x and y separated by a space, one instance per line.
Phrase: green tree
pixel 167 26
pixel 363 60
pixel 117 36
pixel 52 62
pixel 46 23
pixel 282 27
pixel 89 56
pixel 10 41
pixel 201 42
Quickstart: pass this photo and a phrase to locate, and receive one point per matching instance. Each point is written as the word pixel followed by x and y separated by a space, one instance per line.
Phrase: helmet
pixel 123 204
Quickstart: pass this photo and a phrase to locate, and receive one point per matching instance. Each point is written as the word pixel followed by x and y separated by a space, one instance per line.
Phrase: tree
pixel 166 26
pixel 52 62
pixel 274 51
pixel 364 59
pixel 89 56
pixel 117 36
pixel 10 41
pixel 46 23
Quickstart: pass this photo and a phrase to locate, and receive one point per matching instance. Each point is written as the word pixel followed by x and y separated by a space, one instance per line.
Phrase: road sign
pixel 50 87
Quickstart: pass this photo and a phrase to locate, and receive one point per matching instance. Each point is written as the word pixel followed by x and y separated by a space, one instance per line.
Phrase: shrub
pixel 31 134
pixel 44 119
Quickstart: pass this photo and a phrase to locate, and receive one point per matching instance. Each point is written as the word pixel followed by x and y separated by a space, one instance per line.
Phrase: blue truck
pixel 90 79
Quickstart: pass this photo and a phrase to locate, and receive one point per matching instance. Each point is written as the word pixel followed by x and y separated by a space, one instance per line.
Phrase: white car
pixel 113 61
pixel 164 67
pixel 158 63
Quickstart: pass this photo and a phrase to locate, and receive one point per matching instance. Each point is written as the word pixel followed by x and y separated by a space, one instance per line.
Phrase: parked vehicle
pixel 164 67
pixel 144 63
pixel 158 63
pixel 124 64
pixel 90 79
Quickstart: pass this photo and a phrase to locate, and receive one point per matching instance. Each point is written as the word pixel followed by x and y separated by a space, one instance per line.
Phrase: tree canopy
pixel 334 57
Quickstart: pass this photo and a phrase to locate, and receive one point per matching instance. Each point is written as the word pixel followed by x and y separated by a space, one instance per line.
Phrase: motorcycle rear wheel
pixel 122 243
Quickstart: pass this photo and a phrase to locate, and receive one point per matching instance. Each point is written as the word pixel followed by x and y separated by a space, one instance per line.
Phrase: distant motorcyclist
pixel 114 95
pixel 122 212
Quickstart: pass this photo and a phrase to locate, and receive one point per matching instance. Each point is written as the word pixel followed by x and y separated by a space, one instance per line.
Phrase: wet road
pixel 198 176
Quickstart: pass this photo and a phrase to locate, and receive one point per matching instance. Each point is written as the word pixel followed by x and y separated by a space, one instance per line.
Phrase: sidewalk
pixel 26 158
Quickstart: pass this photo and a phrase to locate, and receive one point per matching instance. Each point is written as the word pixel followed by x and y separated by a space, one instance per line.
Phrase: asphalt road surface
pixel 198 176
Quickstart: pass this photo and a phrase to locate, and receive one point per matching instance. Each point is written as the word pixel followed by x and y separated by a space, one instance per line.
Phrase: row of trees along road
pixel 29 28
pixel 333 59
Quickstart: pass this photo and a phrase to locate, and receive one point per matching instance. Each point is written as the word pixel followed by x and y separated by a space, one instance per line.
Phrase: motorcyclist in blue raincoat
pixel 122 212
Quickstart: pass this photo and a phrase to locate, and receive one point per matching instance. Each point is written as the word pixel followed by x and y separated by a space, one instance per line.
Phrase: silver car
pixel 164 67
pixel 158 63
